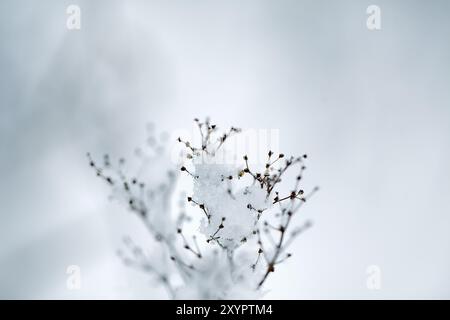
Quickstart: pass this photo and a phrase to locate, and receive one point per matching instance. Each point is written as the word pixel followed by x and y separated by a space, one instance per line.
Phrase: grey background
pixel 371 108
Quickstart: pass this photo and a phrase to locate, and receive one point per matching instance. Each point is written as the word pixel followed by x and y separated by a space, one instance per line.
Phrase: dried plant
pixel 245 219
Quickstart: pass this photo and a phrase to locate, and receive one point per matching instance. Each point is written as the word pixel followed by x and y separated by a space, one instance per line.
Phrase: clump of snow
pixel 222 198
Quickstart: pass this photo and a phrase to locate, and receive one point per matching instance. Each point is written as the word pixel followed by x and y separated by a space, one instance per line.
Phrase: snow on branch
pixel 244 217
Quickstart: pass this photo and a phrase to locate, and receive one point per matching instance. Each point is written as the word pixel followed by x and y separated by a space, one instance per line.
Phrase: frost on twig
pixel 245 215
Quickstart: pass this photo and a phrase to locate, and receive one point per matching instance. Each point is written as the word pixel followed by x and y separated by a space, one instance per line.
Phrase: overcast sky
pixel 371 109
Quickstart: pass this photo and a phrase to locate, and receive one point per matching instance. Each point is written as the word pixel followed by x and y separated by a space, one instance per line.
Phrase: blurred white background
pixel 371 109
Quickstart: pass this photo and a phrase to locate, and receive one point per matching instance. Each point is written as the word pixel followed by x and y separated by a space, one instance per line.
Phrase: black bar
pixel 241 309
